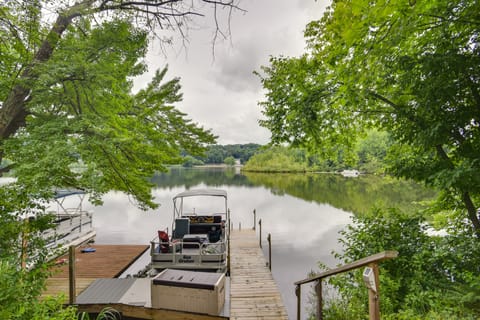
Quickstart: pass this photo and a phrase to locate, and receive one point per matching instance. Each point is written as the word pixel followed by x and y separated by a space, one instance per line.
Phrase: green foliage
pixel 216 154
pixel 409 68
pixel 368 156
pixel 190 161
pixel 278 159
pixel 229 161
pixel 432 278
pixel 19 296
pixel 83 112
pixel 371 151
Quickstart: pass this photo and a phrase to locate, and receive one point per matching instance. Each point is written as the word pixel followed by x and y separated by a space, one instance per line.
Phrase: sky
pixel 220 91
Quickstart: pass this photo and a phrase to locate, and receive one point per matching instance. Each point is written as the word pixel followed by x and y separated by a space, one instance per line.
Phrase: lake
pixel 302 212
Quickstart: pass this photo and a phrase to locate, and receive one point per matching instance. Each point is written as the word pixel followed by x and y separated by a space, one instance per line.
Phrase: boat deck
pixel 253 292
pixel 108 261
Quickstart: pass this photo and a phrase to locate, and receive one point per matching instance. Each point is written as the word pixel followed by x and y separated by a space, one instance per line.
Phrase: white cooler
pixel 190 291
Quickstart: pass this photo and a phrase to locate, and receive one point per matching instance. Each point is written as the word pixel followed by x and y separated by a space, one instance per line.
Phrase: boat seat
pixel 182 227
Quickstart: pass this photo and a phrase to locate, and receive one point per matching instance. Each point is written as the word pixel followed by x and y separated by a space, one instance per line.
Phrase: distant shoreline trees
pixel 368 156
pixel 217 154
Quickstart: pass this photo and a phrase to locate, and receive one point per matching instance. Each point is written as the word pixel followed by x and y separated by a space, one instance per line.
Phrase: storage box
pixel 190 291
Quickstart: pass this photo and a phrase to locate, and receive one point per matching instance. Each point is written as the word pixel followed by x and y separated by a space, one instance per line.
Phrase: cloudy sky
pixel 220 90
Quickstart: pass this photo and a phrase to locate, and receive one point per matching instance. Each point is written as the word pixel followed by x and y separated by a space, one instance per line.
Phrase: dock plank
pixel 108 261
pixel 253 292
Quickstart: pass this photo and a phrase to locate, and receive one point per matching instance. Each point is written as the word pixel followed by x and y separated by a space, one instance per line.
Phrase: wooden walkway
pixel 108 261
pixel 253 292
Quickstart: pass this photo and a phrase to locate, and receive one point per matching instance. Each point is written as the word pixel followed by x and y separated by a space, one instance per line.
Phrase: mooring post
pixel 228 242
pixel 228 221
pixel 254 219
pixel 260 230
pixel 269 239
pixel 71 275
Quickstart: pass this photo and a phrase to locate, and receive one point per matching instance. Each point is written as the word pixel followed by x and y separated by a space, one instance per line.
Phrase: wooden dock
pixel 108 261
pixel 253 292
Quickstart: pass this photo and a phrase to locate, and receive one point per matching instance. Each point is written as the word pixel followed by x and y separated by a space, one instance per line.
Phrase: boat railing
pixel 68 226
pixel 178 251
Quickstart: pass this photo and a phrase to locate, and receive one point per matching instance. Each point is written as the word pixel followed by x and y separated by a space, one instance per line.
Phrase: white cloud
pixel 220 90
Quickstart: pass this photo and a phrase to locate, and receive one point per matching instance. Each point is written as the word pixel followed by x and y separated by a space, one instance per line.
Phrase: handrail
pixel 354 265
pixel 373 293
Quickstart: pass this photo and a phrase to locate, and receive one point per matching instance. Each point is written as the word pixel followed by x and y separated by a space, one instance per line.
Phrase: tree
pixel 69 118
pixel 66 88
pixel 425 281
pixel 229 161
pixel 407 68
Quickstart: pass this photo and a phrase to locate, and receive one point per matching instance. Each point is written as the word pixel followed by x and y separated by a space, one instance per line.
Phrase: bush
pixel 432 278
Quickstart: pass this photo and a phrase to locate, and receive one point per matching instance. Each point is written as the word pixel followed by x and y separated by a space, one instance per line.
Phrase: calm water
pixel 302 212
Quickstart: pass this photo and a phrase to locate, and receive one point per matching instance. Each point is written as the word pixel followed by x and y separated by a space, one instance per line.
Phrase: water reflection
pixel 303 213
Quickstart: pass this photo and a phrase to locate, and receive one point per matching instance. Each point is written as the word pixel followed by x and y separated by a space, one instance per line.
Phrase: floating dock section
pixel 253 292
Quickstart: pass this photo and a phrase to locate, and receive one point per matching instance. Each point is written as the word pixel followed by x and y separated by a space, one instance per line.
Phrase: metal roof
pixel 105 291
pixel 62 193
pixel 202 192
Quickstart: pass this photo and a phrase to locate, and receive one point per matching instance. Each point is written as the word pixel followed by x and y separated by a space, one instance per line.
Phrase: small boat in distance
pixel 199 238
pixel 350 173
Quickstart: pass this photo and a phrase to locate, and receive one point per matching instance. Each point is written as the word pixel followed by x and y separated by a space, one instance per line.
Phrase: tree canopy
pixel 68 115
pixel 69 118
pixel 409 68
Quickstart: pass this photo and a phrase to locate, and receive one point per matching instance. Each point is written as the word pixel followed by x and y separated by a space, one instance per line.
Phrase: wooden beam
pixel 72 292
pixel 141 312
pixel 354 265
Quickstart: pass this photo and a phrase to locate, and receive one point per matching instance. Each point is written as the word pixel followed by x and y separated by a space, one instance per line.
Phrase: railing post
pixel 228 221
pixel 373 295
pixel 254 219
pixel 228 242
pixel 298 293
pixel 240 226
pixel 71 275
pixel 260 229
pixel 318 290
pixel 269 239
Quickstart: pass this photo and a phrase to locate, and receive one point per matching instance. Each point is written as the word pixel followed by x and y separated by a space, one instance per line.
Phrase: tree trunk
pixel 472 212
pixel 467 200
pixel 14 112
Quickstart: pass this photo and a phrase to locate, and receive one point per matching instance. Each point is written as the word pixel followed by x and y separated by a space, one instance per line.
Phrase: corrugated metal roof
pixel 104 291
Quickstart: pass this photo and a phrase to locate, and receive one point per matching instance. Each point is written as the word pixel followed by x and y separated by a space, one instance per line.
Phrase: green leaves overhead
pixel 411 68
pixel 87 130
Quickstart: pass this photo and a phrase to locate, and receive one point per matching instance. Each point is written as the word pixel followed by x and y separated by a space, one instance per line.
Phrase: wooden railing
pixel 373 292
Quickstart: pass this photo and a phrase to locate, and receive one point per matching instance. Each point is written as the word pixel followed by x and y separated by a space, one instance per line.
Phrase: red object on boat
pixel 164 241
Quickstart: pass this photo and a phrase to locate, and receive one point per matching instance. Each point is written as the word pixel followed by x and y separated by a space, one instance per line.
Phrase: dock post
pixel 71 275
pixel 260 229
pixel 318 291
pixel 228 243
pixel 254 218
pixel 269 239
pixel 298 293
